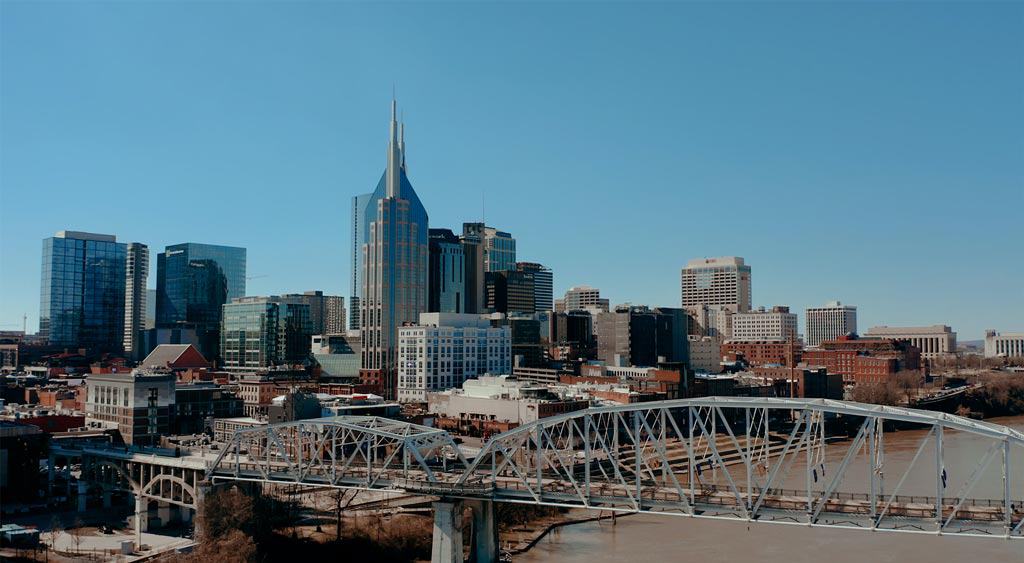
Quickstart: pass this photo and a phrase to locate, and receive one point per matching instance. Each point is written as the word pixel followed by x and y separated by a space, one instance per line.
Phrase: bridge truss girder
pixel 757 460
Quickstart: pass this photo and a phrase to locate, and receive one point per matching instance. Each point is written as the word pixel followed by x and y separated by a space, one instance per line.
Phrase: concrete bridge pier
pixel 447 546
pixel 83 495
pixel 141 515
pixel 203 489
pixel 448 531
pixel 484 547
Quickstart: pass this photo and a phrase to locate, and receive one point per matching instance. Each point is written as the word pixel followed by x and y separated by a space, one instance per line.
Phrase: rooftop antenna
pixel 483 207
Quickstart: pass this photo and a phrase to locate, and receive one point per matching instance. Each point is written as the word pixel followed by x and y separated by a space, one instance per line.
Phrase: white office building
pixel 582 297
pixel 1004 345
pixel 933 341
pixel 775 324
pixel 829 322
pixel 446 349
pixel 716 281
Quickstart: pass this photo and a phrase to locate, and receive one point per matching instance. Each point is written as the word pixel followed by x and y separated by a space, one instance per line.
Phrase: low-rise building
pixel 1004 345
pixel 196 405
pixel 139 404
pixel 774 324
pixel 933 341
pixel 705 353
pixel 761 352
pixel 497 403
pixel 864 360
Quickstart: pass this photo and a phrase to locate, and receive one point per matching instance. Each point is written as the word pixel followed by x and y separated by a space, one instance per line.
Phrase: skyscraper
pixel 543 285
pixel 712 290
pixel 359 232
pixel 447 273
pixel 510 292
pixel 829 322
pixel 326 312
pixel 193 282
pixel 395 265
pixel 717 281
pixel 82 291
pixel 499 250
pixel 135 294
pixel 473 253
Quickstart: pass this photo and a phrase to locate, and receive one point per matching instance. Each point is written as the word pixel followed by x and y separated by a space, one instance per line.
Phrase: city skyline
pixel 918 287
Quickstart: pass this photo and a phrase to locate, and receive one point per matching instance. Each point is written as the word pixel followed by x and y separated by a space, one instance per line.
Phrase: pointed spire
pixel 401 138
pixel 393 174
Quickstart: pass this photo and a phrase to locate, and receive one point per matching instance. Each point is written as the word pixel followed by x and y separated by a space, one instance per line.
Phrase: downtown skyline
pixel 620 204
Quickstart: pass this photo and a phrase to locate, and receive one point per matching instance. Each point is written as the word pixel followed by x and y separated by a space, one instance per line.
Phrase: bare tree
pixel 77 529
pixel 56 527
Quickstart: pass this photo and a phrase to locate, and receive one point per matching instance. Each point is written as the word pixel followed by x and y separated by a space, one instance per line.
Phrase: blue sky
pixel 869 152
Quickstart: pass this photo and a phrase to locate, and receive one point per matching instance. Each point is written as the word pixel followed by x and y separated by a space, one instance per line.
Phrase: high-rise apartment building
pixel 829 322
pixel 774 324
pixel 360 230
pixel 135 296
pixel 326 312
pixel 447 273
pixel 193 282
pixel 395 266
pixel 583 297
pixel 262 332
pixel 933 341
pixel 82 291
pixel 717 281
pixel 543 285
pixel 443 350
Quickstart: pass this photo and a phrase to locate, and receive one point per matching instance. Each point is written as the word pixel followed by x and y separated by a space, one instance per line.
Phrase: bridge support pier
pixel 484 547
pixel 203 489
pixel 83 495
pixel 163 512
pixel 447 546
pixel 141 516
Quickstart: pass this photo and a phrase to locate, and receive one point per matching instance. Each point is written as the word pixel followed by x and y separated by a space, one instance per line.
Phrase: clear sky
pixel 869 152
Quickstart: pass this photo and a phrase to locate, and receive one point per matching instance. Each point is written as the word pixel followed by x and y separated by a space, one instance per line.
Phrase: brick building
pixel 763 352
pixel 865 360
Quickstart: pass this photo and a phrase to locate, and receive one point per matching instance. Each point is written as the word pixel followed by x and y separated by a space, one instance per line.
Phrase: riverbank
pixel 520 539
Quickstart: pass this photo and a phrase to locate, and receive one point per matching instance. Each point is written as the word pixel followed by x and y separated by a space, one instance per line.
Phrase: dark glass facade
pixel 82 291
pixel 262 332
pixel 193 282
pixel 447 273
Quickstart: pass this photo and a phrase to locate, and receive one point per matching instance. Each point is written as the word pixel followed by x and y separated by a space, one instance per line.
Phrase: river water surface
pixel 652 538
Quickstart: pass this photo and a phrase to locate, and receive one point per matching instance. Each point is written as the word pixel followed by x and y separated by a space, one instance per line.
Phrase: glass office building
pixel 262 332
pixel 193 282
pixel 82 291
pixel 395 266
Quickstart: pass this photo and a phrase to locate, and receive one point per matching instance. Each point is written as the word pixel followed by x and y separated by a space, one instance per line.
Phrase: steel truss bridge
pixel 746 459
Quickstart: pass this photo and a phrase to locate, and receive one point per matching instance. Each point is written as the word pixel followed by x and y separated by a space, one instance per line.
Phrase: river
pixel 651 538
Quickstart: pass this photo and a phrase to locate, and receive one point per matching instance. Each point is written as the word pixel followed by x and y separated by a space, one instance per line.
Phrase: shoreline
pixel 533 534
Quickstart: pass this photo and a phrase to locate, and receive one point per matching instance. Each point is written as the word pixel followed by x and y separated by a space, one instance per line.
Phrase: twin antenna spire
pixel 396 152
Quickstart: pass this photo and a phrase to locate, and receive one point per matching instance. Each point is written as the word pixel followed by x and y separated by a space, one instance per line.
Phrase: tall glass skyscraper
pixel 136 274
pixel 447 273
pixel 395 265
pixel 359 221
pixel 82 291
pixel 193 282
